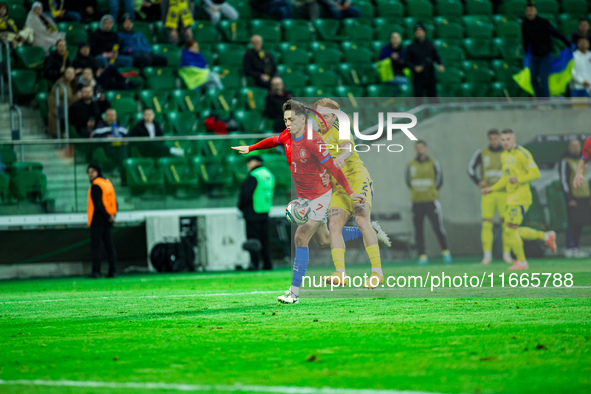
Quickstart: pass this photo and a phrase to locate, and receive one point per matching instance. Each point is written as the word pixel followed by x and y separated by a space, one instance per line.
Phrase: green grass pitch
pixel 225 332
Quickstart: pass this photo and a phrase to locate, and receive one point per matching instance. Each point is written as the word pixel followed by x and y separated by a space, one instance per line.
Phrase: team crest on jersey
pixel 303 155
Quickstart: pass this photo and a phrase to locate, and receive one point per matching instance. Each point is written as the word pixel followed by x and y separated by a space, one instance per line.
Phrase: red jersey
pixel 587 150
pixel 307 158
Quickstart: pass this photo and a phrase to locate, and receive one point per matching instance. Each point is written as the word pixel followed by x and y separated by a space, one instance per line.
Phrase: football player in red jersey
pixel 585 157
pixel 308 158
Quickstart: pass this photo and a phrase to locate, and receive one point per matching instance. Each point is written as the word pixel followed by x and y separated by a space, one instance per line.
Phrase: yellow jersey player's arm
pixel 532 172
pixel 346 148
pixel 501 184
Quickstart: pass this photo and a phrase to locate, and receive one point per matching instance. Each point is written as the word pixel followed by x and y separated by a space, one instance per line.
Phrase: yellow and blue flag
pixel 560 74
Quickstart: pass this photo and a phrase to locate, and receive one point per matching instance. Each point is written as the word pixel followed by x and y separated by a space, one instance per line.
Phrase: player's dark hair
pixel 255 158
pixel 493 132
pixel 421 142
pixel 507 131
pixel 294 106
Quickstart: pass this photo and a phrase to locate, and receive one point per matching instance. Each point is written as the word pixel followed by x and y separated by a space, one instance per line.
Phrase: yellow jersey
pixel 354 164
pixel 517 163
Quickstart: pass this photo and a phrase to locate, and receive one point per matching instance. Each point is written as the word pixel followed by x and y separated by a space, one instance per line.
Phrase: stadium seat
pixel 112 95
pixel 293 55
pixel 506 89
pixel 379 91
pixel 384 29
pixel 469 89
pixel 452 9
pixel 230 55
pixel 353 92
pixel 237 166
pixel 243 8
pixel 450 81
pixel 18 13
pixel 30 57
pixel 508 28
pixel 4 186
pixel 357 30
pixel 41 100
pixel 178 173
pixel 390 9
pixel 479 8
pixel 277 165
pixel 170 52
pixel 146 29
pixel 75 32
pixel 419 9
pixel 358 74
pixel 451 32
pixel 29 184
pixel 7 155
pixel 297 30
pixel 317 91
pixel 355 53
pixel 160 78
pixel 187 100
pixel 327 29
pixel 182 123
pixel 575 7
pixel 547 6
pixel 269 30
pixel 24 82
pixel 158 100
pixel 568 24
pixel 322 54
pixel 322 76
pixel 478 27
pixel 252 98
pixel 249 121
pixel 510 48
pixel 142 174
pixel 475 72
pixel 513 8
pixel 450 54
pixel 204 32
pixel 212 172
pixel 480 48
pixel 235 31
pixel 503 70
pixel 221 100
pixel 292 78
pixel 367 9
pixel 125 107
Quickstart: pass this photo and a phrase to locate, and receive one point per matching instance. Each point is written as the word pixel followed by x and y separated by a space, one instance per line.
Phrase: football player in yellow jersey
pixel 519 169
pixel 340 210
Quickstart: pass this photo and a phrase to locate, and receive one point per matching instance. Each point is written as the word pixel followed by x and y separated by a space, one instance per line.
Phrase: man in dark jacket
pixel 134 44
pixel 274 101
pixel 582 31
pixel 56 62
pixel 421 57
pixel 87 9
pixel 102 208
pixel 537 36
pixel 148 128
pixel 104 45
pixel 256 199
pixel 85 113
pixel 259 64
pixel 83 59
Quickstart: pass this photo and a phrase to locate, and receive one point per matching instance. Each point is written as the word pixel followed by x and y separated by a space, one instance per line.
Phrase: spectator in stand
pixel 104 45
pixel 583 31
pixel 61 10
pixel 148 10
pixel 340 9
pixel 307 9
pixel 134 44
pixel 9 30
pixel 218 8
pixel 128 5
pixel 537 36
pixel 278 9
pixel 85 113
pixel 395 51
pixel 578 201
pixel 259 64
pixel 581 82
pixel 6 24
pixel 194 70
pixel 421 57
pixel 274 101
pixel 147 127
pixel 111 79
pixel 178 20
pixel 87 9
pixel 68 80
pixel 83 59
pixel 45 32
pixel 56 63
pixel 87 79
pixel 108 127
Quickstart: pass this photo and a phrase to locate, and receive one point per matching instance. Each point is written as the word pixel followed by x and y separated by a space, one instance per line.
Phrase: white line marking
pixel 204 388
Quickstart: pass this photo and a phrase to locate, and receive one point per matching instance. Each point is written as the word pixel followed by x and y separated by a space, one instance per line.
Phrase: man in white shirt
pixel 581 82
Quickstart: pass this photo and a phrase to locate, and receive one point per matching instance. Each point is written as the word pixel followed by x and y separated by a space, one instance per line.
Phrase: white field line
pixel 203 388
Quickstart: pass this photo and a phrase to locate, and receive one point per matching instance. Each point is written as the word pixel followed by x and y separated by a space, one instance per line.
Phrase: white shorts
pixel 319 207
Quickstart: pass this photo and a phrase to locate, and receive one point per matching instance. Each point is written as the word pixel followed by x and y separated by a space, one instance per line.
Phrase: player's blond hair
pixel 326 102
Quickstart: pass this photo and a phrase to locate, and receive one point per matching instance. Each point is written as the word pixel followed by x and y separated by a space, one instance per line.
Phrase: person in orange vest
pixel 102 208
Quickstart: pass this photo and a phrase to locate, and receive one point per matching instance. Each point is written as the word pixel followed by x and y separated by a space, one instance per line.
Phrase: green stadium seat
pixel 182 123
pixel 158 100
pixel 235 31
pixel 384 29
pixel 575 7
pixel 230 55
pixel 568 24
pixel 353 92
pixel 327 29
pixel 513 8
pixel 478 27
pixel 268 29
pixel 24 82
pixel 391 9
pixel 379 90
pixel 506 89
pixel 146 29
pixel 212 172
pixel 142 174
pixel 112 95
pixel 124 106
pixel 178 173
pixel 503 70
pixel 160 78
pixel 317 91
pixel 469 89
pixel 187 100
pixel 358 74
pixel 204 32
pixel 367 9
pixel 451 32
pixel 29 184
pixel 355 53
pixel 25 166
pixel 249 121
pixel 547 6
pixel 452 9
pixel 7 155
pixel 450 54
pixel 75 32
pixel 322 76
pixel 237 165
pixel 293 55
pixel 18 13
pixel 4 186
pixel 510 48
pixel 41 100
pixel 243 8
pixel 252 98
pixel 479 8
pixel 280 169
pixel 480 48
pixel 170 52
pixel 292 78
pixel 357 30
pixel 451 76
pixel 297 30
pixel 508 28
pixel 419 9
pixel 30 57
pixel 478 73
pixel 322 54
pixel 221 100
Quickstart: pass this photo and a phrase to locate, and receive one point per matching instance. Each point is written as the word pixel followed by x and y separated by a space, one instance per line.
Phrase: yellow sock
pixel 373 251
pixel 515 243
pixel 486 235
pixel 530 233
pixel 506 246
pixel 338 258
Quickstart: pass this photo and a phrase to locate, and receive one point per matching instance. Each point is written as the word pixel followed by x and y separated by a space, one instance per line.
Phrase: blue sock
pixel 350 233
pixel 300 263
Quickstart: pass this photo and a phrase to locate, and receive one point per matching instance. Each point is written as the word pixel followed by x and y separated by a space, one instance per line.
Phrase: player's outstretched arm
pixel 346 152
pixel 500 185
pixel 267 143
pixel 578 181
pixel 342 180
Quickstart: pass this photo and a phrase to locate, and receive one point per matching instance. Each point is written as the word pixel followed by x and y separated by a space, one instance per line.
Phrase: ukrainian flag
pixel 560 74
